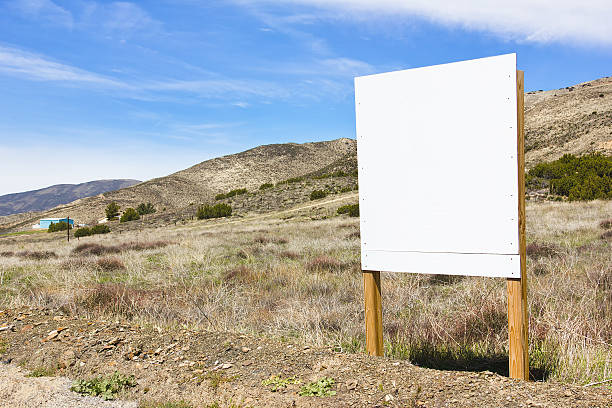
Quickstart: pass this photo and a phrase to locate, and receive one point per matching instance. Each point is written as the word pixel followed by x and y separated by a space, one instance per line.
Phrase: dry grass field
pixel 297 276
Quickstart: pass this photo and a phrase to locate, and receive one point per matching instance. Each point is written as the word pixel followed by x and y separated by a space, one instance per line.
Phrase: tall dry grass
pixel 300 279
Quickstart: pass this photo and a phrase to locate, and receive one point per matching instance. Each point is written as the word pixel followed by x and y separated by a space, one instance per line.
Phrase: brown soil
pixel 204 368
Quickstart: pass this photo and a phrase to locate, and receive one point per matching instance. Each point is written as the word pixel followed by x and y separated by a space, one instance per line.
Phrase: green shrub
pixel 351 209
pixel 106 387
pixel 59 226
pixel 578 178
pixel 231 193
pixel 215 211
pixel 82 232
pixel 317 194
pixel 112 211
pixel 147 208
pixel 100 229
pixel 320 388
pixel 265 186
pixel 129 214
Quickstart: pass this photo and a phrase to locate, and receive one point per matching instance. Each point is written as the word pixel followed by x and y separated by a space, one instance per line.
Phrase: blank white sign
pixel 438 172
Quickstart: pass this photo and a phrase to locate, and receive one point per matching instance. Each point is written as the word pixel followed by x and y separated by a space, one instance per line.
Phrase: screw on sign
pixel 438 126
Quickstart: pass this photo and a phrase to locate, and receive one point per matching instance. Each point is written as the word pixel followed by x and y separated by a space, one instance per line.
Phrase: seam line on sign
pixel 441 252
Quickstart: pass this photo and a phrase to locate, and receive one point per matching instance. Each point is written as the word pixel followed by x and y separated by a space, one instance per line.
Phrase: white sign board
pixel 438 171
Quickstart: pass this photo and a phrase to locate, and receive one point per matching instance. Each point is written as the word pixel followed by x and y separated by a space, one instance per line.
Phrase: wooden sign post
pixel 484 234
pixel 518 322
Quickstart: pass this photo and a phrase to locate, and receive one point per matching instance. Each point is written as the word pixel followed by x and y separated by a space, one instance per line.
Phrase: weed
pixel 216 378
pixel 267 240
pixel 105 387
pixel 37 255
pixel 276 382
pixel 110 264
pixel 42 372
pixel 324 263
pixel 319 388
pixel 3 346
pixel 537 250
pixel 606 224
pixel 289 255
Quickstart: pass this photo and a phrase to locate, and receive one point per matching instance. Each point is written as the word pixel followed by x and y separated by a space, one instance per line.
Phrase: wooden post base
pixel 373 313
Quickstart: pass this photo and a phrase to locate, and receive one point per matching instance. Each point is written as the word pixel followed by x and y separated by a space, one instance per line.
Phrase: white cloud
pixel 35 67
pixel 541 21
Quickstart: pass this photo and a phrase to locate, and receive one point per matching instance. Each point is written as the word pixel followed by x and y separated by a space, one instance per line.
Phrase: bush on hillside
pixel 129 214
pixel 147 208
pixel 100 229
pixel 351 209
pixel 214 211
pixel 112 211
pixel 231 193
pixel 578 178
pixel 317 194
pixel 82 232
pixel 265 186
pixel 59 226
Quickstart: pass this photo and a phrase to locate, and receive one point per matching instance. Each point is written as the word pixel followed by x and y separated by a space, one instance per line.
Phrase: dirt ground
pixel 204 368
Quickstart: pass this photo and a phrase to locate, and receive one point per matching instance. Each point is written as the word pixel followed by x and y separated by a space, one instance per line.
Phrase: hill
pixel 49 197
pixel 576 119
pixel 200 183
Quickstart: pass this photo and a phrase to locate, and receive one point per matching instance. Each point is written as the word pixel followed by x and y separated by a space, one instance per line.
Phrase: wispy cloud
pixel 32 66
pixel 322 77
pixel 522 20
pixel 45 10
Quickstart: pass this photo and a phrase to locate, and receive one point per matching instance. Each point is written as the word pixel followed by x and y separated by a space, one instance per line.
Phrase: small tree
pixel 215 211
pixel 59 226
pixel 147 208
pixel 129 214
pixel 82 232
pixel 112 211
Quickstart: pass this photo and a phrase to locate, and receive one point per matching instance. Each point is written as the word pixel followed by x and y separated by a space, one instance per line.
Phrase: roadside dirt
pixel 204 367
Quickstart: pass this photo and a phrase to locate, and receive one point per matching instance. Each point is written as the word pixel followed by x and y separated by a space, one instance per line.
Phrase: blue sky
pixel 96 89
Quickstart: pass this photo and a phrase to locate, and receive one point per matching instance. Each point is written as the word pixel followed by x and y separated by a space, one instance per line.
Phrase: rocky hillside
pixel 49 197
pixel 576 119
pixel 200 183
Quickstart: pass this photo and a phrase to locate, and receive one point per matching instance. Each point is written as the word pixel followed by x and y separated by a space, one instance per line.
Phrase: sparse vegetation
pixel 318 194
pixel 230 194
pixel 129 214
pixel 265 186
pixel 319 388
pixel 147 208
pixel 214 211
pixel 236 277
pixel 112 211
pixel 42 372
pixel 276 382
pixel 105 387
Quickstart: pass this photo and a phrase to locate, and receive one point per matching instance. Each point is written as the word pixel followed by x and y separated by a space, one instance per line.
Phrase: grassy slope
pixel 297 275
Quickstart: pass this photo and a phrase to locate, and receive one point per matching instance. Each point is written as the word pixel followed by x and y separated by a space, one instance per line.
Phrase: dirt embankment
pixel 204 368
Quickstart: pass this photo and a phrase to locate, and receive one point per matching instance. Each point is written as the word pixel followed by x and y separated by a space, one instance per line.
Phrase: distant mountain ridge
pixel 52 196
